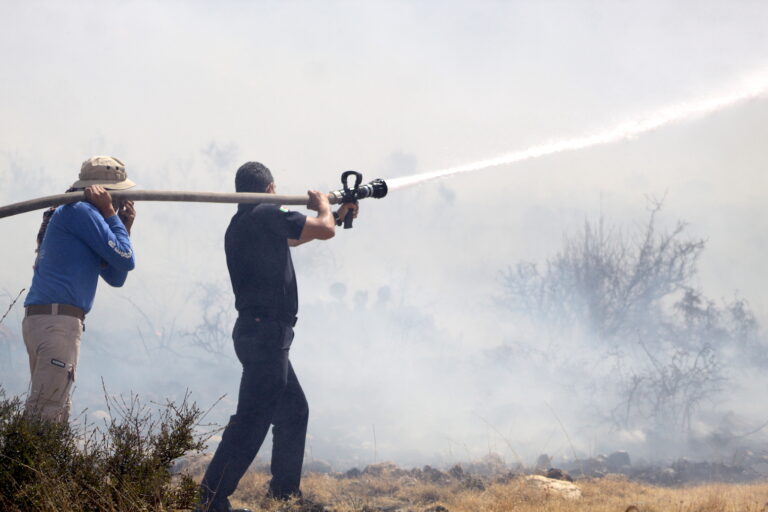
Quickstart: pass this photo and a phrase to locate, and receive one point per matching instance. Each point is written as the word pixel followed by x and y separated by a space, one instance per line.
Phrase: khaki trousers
pixel 53 345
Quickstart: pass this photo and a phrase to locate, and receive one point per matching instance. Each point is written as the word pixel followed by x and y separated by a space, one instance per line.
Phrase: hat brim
pixel 109 185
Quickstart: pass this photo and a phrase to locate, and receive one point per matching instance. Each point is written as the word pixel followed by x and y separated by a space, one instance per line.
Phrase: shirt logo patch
pixel 60 364
pixel 113 245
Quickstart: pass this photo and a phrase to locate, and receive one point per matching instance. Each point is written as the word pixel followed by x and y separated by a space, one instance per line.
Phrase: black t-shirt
pixel 259 259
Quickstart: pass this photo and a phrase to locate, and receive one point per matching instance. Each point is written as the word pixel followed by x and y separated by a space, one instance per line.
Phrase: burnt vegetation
pixel 630 298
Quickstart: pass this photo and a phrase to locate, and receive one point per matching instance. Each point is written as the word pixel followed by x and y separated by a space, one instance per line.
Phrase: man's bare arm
pixel 322 227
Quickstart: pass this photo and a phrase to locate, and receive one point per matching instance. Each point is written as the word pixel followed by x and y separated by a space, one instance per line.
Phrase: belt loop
pixel 54 309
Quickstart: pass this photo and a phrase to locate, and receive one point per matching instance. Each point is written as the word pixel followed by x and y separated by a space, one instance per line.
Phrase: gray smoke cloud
pixel 399 329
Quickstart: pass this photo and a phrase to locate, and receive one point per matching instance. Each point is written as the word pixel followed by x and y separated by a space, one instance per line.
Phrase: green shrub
pixel 124 465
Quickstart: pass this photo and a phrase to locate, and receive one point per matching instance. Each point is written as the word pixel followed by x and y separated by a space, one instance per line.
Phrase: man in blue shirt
pixel 77 243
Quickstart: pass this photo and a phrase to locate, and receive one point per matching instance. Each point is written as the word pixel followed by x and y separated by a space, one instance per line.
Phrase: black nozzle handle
pixel 348 218
pixel 345 181
pixel 350 194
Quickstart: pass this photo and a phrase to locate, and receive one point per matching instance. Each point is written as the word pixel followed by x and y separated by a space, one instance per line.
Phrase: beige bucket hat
pixel 107 171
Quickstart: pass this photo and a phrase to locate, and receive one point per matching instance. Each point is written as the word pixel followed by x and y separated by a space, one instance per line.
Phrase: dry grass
pixel 398 492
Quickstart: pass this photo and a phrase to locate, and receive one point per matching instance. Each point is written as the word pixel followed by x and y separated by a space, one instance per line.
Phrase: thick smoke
pixel 407 346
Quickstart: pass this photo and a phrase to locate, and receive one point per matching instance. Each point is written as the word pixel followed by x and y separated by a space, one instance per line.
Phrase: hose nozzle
pixel 351 194
pixel 376 189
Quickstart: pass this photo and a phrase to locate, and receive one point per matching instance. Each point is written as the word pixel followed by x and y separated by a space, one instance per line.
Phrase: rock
pixel 668 476
pixel 567 490
pixel 433 475
pixel 353 473
pixel 456 472
pixel 472 483
pixel 466 479
pixel 436 508
pixel 594 467
pixel 558 474
pixel 506 478
pixel 380 469
pixel 641 463
pixel 618 462
pixel 318 466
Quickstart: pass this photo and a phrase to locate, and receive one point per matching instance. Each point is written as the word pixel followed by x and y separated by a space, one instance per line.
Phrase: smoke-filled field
pixel 524 494
pixel 599 289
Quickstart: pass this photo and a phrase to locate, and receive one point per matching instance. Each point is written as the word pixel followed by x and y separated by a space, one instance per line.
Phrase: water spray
pixel 752 89
pixel 379 188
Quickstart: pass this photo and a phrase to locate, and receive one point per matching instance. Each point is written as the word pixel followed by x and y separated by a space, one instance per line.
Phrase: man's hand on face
pixel 344 208
pixel 99 197
pixel 318 201
pixel 127 214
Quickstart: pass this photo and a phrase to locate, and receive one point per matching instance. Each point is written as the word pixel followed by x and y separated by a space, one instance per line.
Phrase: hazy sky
pixel 184 92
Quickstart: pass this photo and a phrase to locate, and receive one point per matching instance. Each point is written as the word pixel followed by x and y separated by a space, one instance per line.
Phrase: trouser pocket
pixel 53 344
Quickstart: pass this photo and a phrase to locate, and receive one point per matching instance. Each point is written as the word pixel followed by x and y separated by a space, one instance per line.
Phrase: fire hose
pixel 348 194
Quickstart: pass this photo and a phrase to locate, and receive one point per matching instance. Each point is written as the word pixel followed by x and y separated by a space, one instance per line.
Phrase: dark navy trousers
pixel 270 394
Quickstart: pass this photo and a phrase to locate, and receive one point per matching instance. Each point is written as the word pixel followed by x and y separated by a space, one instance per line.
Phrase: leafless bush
pixel 212 334
pixel 668 389
pixel 6 335
pixel 604 279
pixel 668 345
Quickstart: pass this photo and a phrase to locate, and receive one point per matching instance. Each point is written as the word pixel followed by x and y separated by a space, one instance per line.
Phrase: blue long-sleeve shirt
pixel 79 246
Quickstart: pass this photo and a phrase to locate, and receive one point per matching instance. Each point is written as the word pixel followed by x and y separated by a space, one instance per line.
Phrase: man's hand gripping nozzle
pixel 351 195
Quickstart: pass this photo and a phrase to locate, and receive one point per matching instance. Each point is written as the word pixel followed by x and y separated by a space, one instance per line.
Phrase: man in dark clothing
pixel 257 246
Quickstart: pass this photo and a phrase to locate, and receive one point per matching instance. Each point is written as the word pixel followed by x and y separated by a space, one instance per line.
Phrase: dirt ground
pixel 408 491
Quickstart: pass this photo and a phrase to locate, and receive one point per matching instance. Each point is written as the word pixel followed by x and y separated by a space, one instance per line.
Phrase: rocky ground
pixel 746 467
pixel 602 483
